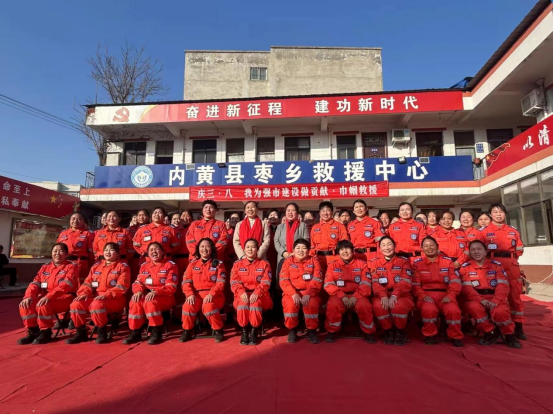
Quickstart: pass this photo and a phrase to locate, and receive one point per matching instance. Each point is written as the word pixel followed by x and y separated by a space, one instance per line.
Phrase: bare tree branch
pixel 130 77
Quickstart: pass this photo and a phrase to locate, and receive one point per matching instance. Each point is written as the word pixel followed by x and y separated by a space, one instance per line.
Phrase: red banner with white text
pixel 297 192
pixel 530 142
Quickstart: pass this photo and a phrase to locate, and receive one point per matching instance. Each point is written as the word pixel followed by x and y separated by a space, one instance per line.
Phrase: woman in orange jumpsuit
pixel 158 232
pixel 79 240
pixel 452 242
pixel 407 233
pixel 112 232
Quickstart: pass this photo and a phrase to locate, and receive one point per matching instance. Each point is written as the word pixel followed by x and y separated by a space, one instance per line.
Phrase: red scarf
pixel 249 232
pixel 290 232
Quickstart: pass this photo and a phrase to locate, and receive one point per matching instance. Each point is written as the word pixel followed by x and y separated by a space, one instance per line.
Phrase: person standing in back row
pixel 208 227
pixel 364 232
pixel 504 245
pixel 407 233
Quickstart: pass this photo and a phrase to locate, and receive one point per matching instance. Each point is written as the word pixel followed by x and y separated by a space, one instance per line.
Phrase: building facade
pixel 233 139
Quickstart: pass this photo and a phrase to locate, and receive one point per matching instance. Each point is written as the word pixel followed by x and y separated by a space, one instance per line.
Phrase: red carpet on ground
pixel 348 376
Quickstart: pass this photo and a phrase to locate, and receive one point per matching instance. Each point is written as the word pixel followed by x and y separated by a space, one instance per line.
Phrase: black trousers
pixel 12 272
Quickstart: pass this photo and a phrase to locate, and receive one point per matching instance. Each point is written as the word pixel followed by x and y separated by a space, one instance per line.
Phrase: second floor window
pixel 135 153
pixel 297 149
pixel 204 151
pixel 429 144
pixel 346 146
pixel 464 143
pixel 235 150
pixel 164 152
pixel 266 149
pixel 499 137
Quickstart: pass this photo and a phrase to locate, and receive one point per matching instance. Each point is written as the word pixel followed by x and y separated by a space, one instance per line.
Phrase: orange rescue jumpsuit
pixel 111 281
pixel 437 279
pixel 79 242
pixel 302 278
pixel 120 236
pixel 324 238
pixel 504 245
pixel 365 234
pixel 161 278
pixel 408 236
pixel 58 284
pixel 488 282
pixel 453 244
pixel 389 278
pixel 251 277
pixel 472 234
pixel 348 280
pixel 163 234
pixel 203 278
pixel 212 229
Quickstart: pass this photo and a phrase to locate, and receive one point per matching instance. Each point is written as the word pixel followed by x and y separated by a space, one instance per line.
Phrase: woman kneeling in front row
pixel 203 285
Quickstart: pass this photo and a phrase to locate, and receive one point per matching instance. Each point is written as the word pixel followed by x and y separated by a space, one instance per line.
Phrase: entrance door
pixel 374 145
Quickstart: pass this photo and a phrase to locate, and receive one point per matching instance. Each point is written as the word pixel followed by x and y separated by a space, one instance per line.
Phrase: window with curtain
pixel 498 137
pixel 297 148
pixel 346 146
pixel 164 152
pixel 429 144
pixel 235 150
pixel 135 153
pixel 204 151
pixel 265 149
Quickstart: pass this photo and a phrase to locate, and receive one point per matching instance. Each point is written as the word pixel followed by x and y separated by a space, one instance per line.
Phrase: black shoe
pixel 519 334
pixel 457 343
pixel 369 338
pixel 245 338
pixel 32 334
pixel 44 337
pixel 157 335
pixel 134 337
pixel 293 336
pixel 79 337
pixel 185 336
pixel 511 341
pixel 488 339
pixel 330 338
pixel 253 336
pixel 71 325
pixel 401 338
pixel 388 336
pixel 102 335
pixel 312 336
pixel 218 336
pixel 430 340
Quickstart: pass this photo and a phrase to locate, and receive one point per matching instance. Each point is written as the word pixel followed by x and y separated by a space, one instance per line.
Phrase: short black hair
pixel 467 211
pixel 478 241
pixel 252 240
pixel 156 244
pixel 342 211
pixel 62 246
pixel 403 204
pixel 497 205
pixel 344 243
pixel 302 242
pixel 429 238
pixel 162 209
pixel 273 210
pixel 209 202
pixel 385 237
pixel 326 204
pixel 113 245
pixel 359 201
pixel 446 212
pixel 484 214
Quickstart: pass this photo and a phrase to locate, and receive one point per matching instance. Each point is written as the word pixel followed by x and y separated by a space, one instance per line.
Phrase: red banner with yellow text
pixel 282 192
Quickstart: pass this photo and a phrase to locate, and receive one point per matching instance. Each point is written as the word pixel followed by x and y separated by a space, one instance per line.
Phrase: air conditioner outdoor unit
pixel 533 103
pixel 401 136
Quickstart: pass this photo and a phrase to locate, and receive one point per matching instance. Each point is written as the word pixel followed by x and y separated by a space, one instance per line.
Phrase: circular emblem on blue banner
pixel 142 176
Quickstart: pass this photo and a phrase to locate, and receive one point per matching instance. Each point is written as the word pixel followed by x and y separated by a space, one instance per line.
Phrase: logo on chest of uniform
pixel 396 228
pixel 199 269
pixel 512 233
pixel 102 236
pixel 414 228
pixel 396 268
pixel 473 273
pixel 490 234
pixel 357 279
pixel 356 269
pixel 381 269
pixel 352 228
pixel 368 234
pixel 337 270
pixel 213 278
pixel 113 283
pixel 397 278
pixel 82 236
pixel 425 272
pixel 259 269
pixel 162 280
pixel 309 266
pixel 491 272
pixel 163 271
pixel 317 229
pixel 122 235
pixel 146 232
pixel 293 266
pixel 444 269
pixel 334 227
pixel 115 272
pixel 97 273
pixel 243 270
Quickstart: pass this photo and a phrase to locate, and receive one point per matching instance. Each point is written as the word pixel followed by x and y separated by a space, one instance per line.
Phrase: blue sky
pixel 44 47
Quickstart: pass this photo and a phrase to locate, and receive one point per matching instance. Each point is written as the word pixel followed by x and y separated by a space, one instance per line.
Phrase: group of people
pixel 383 269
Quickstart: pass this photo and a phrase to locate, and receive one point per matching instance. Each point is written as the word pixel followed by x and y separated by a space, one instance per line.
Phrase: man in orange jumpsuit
pixel 504 245
pixel 79 240
pixel 113 233
pixel 407 232
pixel 436 287
pixel 391 284
pixel 208 227
pixel 204 278
pixel 348 284
pixel 153 294
pixel 250 282
pixel 301 281
pixel 51 292
pixel 102 293
pixel 485 288
pixel 452 242
pixel 325 236
pixel 364 231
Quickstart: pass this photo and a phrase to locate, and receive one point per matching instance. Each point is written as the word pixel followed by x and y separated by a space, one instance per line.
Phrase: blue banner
pixel 430 169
